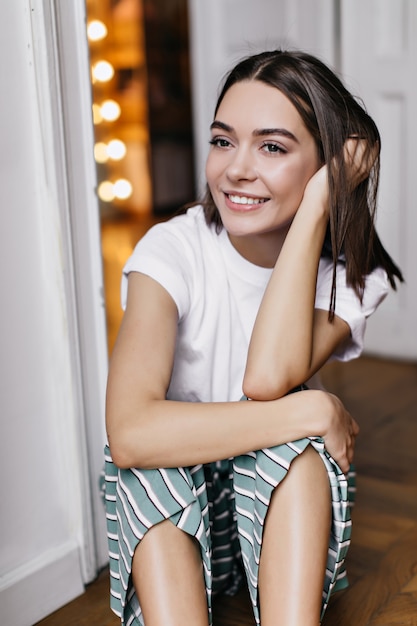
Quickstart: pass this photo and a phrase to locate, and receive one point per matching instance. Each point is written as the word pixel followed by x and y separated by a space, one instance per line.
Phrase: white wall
pixel 45 521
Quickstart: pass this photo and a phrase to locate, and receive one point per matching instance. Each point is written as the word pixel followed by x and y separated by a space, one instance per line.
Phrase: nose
pixel 241 165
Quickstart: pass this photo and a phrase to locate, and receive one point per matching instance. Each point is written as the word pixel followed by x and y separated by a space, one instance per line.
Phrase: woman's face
pixel 260 161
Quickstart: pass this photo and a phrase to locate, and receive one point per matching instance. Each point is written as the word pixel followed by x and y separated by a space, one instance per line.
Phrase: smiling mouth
pixel 245 200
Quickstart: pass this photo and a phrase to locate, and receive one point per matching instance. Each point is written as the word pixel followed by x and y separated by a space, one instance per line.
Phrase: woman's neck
pixel 260 249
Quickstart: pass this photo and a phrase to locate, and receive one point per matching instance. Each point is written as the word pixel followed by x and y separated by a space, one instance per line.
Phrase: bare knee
pixel 310 458
pixel 167 598
pixel 309 467
pixel 165 542
pixel 306 482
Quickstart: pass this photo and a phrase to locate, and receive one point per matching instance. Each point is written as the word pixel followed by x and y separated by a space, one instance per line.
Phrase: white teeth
pixel 245 200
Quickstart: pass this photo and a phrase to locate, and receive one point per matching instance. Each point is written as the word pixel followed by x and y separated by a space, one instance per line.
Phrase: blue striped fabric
pixel 223 505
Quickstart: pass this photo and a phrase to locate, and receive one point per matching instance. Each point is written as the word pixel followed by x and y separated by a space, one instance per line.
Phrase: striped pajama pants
pixel 224 506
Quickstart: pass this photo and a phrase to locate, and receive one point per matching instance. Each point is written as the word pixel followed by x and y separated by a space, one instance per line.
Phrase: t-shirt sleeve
pixel 162 255
pixel 348 305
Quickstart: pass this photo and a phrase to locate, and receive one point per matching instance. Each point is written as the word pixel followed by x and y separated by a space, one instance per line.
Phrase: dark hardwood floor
pixel 382 561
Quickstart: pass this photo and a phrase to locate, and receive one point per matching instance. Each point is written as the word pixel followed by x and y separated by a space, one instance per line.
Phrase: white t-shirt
pixel 218 293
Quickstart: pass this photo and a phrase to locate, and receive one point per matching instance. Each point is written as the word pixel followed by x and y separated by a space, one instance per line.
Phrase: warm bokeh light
pixel 110 110
pixel 106 191
pixel 102 71
pixel 116 149
pixel 100 152
pixel 97 117
pixel 119 89
pixel 96 30
pixel 122 189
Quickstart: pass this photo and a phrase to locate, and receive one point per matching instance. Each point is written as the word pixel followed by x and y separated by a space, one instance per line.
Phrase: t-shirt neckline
pixel 241 266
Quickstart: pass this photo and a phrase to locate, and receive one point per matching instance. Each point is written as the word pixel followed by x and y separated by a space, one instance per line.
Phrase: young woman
pixel 248 294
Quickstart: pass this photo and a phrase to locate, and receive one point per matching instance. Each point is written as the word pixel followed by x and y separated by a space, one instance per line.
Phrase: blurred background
pixel 144 147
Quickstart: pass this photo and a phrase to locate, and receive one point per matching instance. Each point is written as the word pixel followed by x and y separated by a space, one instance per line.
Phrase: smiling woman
pixel 250 292
pixel 259 166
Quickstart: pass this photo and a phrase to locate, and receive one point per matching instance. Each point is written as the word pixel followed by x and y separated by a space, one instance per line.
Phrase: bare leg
pixel 168 578
pixel 295 544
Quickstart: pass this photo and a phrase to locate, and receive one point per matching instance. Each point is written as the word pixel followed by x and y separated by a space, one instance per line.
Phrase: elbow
pixel 132 447
pixel 264 387
pixel 121 461
pixel 120 453
pixel 132 438
pixel 125 450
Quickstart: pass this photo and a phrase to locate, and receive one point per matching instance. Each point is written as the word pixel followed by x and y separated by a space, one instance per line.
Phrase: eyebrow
pixel 259 132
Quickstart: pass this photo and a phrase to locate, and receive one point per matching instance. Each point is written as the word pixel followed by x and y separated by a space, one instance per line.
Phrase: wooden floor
pixel 382 561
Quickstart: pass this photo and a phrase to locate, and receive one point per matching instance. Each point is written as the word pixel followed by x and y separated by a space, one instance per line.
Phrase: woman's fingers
pixel 359 158
pixel 340 439
pixel 355 426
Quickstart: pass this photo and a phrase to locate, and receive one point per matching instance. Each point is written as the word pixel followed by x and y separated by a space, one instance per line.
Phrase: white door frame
pixel 61 60
pixel 85 240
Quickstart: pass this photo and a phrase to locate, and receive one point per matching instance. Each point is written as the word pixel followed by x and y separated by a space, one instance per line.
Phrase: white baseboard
pixel 40 587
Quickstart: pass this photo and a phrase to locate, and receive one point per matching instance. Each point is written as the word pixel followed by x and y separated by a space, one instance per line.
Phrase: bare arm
pixel 146 430
pixel 291 340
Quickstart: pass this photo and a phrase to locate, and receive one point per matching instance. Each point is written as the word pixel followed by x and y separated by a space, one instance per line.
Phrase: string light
pixel 100 152
pixel 116 149
pixel 102 71
pixel 106 191
pixel 96 30
pixel 110 110
pixel 122 189
pixel 97 117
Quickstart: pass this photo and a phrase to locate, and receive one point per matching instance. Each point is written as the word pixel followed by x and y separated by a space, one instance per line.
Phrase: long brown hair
pixel 332 115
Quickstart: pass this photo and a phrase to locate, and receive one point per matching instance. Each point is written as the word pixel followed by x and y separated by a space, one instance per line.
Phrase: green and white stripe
pixel 223 505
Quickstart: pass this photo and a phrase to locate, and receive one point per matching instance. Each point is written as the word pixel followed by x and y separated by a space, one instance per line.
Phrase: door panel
pixel 379 57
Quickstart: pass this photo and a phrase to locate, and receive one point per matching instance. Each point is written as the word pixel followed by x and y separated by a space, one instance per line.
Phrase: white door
pixel 224 31
pixel 379 61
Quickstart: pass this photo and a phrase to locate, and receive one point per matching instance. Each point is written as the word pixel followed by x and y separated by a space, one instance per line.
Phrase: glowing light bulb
pixel 97 116
pixel 96 30
pixel 122 189
pixel 106 191
pixel 100 152
pixel 116 149
pixel 110 110
pixel 102 71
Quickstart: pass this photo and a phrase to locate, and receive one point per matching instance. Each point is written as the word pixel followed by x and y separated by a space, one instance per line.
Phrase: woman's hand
pixel 317 189
pixel 359 158
pixel 341 433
